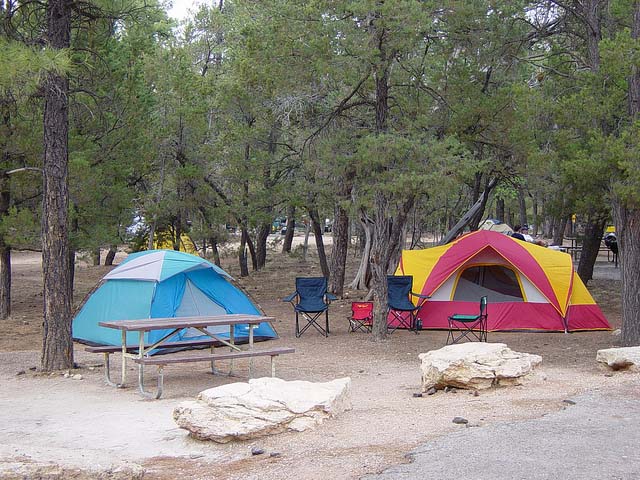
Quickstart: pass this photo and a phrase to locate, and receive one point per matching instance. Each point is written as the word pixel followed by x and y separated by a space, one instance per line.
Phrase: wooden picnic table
pixel 139 353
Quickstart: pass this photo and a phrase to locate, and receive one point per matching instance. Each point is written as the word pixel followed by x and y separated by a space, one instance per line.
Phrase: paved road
pixel 597 438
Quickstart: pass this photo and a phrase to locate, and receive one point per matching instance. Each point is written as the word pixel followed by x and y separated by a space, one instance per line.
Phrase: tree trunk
pixel 95 256
pixel 340 232
pixel 500 209
pixel 5 280
pixel 363 276
pixel 592 14
pixel 242 253
pixel 305 245
pixel 261 245
pixel 291 225
pixel 478 206
pixel 590 247
pixel 536 217
pixel 627 220
pixel 474 223
pixel 214 251
pixel 522 206
pixel 57 346
pixel 559 226
pixel 5 252
pixel 386 249
pixel 252 249
pixel 379 259
pixel 317 233
pixel 177 232
pixel 111 255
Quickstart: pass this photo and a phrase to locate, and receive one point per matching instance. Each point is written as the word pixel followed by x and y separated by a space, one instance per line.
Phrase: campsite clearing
pixel 85 426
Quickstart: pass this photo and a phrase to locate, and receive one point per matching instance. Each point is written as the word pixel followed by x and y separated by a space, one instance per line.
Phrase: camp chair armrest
pixel 290 298
pixel 330 296
pixel 420 295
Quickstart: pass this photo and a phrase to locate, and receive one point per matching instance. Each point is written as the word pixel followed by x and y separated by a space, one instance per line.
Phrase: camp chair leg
pixel 402 321
pixel 143 392
pixel 361 317
pixel 273 365
pixel 466 332
pixel 311 321
pixel 327 323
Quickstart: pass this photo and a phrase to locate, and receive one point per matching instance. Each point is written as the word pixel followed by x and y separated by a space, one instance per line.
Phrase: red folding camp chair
pixel 361 316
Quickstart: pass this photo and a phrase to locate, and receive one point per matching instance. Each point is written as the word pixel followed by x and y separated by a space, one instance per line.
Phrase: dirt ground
pixel 54 426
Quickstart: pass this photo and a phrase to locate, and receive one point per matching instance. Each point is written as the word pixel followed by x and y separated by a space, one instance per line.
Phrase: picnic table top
pixel 185 322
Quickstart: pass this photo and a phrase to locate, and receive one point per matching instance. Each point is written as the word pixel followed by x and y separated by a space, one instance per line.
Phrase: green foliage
pixel 255 106
pixel 20 228
pixel 22 69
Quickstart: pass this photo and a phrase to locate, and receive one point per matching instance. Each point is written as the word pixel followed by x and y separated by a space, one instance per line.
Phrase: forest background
pixel 392 119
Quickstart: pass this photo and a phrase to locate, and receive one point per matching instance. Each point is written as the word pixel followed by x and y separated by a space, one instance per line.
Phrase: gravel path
pixel 597 437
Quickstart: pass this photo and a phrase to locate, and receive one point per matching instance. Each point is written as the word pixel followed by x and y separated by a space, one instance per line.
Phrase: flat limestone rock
pixel 619 358
pixel 475 365
pixel 263 406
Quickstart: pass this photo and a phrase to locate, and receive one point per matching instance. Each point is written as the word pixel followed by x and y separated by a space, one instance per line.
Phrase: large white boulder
pixel 263 406
pixel 475 365
pixel 619 358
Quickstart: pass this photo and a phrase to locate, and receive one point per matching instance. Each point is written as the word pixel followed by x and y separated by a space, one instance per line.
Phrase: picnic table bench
pixel 140 353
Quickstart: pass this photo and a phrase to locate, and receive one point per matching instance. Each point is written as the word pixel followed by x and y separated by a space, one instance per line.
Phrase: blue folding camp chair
pixel 468 326
pixel 401 311
pixel 310 300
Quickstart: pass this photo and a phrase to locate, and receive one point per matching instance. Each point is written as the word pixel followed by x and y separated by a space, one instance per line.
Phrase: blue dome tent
pixel 161 284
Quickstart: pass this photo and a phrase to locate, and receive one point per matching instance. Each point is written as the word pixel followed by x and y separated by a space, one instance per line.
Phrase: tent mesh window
pixel 497 282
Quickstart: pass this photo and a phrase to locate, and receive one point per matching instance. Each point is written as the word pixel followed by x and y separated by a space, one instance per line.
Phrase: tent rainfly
pixel 161 284
pixel 529 287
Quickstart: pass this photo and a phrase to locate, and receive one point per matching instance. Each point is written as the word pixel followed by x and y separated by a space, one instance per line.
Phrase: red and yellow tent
pixel 529 287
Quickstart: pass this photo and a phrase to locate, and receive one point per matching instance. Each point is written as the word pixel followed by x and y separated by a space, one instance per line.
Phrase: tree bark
pixel 536 217
pixel 5 252
pixel 317 233
pixel 474 223
pixel 57 347
pixel 111 255
pixel 291 225
pixel 261 245
pixel 242 253
pixel 627 218
pixel 386 249
pixel 592 14
pixel 522 206
pixel 559 226
pixel 363 276
pixel 5 281
pixel 95 256
pixel 478 206
pixel 340 232
pixel 500 209
pixel 214 251
pixel 379 264
pixel 594 230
